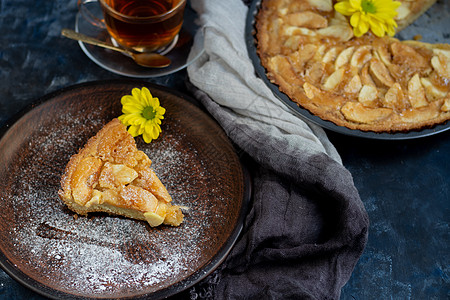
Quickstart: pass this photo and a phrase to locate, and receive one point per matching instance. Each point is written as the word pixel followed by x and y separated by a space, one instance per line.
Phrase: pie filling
pixel 367 83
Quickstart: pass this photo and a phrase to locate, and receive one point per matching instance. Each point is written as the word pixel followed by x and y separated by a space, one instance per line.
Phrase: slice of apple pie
pixel 369 83
pixel 111 175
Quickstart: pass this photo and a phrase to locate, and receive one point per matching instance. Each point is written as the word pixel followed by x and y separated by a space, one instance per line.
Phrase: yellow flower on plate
pixel 142 113
pixel 376 15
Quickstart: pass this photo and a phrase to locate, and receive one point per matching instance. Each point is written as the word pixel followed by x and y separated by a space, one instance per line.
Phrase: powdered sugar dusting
pixel 107 255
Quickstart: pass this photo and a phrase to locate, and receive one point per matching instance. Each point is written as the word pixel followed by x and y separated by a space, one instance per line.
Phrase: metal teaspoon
pixel 149 60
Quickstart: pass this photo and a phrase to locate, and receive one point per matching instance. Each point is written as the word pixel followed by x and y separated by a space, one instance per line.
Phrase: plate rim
pixel 210 266
pixel 304 114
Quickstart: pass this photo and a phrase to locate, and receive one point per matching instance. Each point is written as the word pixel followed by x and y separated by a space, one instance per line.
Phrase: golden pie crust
pixel 410 10
pixel 366 83
pixel 111 175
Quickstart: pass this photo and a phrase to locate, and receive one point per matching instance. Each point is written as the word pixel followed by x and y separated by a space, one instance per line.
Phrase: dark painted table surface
pixel 405 185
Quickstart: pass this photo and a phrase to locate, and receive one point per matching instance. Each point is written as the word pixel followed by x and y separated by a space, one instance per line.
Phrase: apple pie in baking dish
pixel 111 175
pixel 370 83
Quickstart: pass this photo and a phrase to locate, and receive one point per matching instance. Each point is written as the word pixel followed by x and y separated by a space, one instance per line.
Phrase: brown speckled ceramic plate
pixel 60 255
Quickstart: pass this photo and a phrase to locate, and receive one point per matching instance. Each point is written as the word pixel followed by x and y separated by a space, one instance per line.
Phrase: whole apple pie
pixel 369 83
pixel 111 175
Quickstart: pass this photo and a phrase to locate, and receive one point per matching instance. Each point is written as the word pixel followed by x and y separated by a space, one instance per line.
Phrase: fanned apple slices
pixel 111 175
pixel 367 83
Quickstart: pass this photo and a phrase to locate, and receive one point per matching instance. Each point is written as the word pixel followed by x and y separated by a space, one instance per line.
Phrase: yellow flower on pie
pixel 142 113
pixel 376 15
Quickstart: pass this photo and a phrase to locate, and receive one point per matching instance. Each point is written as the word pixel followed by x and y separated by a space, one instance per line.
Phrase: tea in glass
pixel 143 25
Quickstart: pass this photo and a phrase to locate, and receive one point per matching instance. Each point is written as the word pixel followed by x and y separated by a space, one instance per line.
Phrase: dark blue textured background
pixel 405 185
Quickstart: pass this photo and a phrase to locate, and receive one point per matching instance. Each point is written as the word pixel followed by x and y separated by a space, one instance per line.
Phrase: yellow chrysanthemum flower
pixel 376 15
pixel 142 113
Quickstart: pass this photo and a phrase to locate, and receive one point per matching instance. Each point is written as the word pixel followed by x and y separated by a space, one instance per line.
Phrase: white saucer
pixel 120 64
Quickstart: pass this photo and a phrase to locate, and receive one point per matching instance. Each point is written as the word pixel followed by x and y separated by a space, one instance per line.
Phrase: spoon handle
pixel 71 34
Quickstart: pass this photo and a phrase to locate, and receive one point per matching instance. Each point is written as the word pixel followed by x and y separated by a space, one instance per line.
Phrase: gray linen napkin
pixel 307 226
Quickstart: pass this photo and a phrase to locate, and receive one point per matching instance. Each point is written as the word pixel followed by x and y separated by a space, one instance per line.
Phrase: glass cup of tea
pixel 139 25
